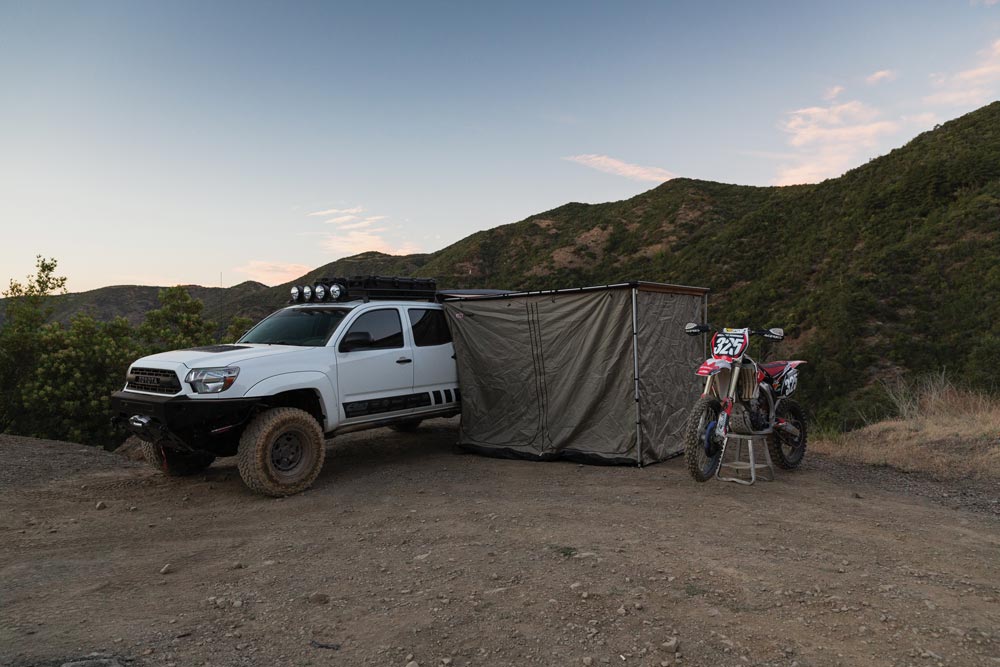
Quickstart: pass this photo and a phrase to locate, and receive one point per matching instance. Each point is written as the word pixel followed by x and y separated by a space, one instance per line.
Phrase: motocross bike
pixel 743 397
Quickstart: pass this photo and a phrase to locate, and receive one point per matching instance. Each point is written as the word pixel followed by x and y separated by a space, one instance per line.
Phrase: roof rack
pixel 365 288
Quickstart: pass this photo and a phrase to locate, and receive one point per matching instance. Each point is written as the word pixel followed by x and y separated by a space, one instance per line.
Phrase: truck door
pixel 435 379
pixel 375 367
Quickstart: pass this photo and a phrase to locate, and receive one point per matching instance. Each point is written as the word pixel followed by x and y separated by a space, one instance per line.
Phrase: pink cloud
pixel 353 242
pixel 880 76
pixel 832 92
pixel 340 219
pixel 272 273
pixel 339 211
pixel 830 139
pixel 615 166
pixel 851 122
pixel 970 87
pixel 971 97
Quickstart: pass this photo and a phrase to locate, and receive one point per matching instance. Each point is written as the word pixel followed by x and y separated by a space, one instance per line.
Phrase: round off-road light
pixel 307 293
pixel 336 291
pixel 295 293
pixel 320 292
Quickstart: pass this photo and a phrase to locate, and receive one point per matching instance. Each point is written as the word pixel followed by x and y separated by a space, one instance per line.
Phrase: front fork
pixel 722 426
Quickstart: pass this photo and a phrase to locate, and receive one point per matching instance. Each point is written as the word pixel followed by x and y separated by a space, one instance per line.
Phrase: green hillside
pixel 893 267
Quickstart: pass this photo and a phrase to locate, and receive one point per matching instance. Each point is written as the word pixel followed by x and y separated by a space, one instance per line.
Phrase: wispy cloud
pixel 340 219
pixel 970 87
pixel 970 97
pixel 880 76
pixel 988 70
pixel 338 211
pixel 361 224
pixel 354 233
pixel 830 139
pixel 272 273
pixel 615 166
pixel 832 93
pixel 352 242
pixel 851 122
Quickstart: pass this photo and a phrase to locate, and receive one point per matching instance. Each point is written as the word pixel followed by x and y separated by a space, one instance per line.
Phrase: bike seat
pixel 773 369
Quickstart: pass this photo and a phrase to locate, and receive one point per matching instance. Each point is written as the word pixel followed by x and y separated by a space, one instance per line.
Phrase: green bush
pixel 56 380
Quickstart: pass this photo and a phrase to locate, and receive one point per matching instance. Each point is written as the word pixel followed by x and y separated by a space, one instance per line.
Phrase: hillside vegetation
pixel 890 269
pixel 945 431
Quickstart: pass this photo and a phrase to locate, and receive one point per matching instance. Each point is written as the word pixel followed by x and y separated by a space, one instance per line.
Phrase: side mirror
pixel 356 340
pixel 775 333
pixel 692 329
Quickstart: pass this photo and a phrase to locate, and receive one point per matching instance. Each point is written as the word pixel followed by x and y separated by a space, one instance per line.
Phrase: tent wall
pixel 547 376
pixel 668 358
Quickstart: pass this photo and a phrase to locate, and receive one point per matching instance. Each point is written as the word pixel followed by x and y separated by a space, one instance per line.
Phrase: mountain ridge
pixel 878 272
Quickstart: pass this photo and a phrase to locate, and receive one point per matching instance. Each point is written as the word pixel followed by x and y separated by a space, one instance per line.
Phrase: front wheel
pixel 171 461
pixel 702 448
pixel 281 452
pixel 788 450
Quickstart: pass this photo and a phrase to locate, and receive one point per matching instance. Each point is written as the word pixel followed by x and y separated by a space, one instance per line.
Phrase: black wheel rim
pixel 791 446
pixel 709 452
pixel 287 453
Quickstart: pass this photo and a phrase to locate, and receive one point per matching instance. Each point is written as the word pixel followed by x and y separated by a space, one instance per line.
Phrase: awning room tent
pixel 597 374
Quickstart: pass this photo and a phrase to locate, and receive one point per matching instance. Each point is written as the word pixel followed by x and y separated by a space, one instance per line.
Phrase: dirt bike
pixel 743 397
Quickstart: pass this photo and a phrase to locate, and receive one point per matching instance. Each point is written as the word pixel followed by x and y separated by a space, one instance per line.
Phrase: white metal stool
pixel 739 464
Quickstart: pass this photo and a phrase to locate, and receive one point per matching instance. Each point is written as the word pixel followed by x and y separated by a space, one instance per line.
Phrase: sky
pixel 212 143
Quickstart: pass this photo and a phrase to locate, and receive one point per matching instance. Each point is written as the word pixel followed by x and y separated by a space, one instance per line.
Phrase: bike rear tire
pixel 787 452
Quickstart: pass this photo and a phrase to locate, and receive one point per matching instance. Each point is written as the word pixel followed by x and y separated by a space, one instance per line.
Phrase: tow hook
pixel 139 421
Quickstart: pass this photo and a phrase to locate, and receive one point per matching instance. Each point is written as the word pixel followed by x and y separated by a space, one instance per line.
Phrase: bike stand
pixel 739 464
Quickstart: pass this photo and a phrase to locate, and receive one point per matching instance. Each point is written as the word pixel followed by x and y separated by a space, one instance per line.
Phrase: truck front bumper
pixel 178 421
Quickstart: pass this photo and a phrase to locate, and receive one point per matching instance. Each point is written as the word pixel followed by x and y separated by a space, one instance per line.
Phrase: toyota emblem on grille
pixel 147 379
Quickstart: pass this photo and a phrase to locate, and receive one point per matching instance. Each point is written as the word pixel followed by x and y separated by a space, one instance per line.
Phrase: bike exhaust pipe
pixel 789 429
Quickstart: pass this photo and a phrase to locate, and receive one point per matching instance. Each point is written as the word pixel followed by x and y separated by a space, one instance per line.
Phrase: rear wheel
pixel 281 452
pixel 702 449
pixel 174 462
pixel 788 450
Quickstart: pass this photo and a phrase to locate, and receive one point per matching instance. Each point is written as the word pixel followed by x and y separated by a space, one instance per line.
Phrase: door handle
pixel 404 360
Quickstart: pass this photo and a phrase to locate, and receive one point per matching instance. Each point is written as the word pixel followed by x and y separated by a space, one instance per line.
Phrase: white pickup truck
pixel 325 365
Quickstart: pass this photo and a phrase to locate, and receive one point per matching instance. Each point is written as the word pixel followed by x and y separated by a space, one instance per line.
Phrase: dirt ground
pixel 408 551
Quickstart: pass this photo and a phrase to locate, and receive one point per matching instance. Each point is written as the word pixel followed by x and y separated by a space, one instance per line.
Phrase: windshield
pixel 308 327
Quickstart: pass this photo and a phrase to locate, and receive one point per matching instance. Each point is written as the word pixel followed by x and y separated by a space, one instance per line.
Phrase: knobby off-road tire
pixel 787 452
pixel 408 426
pixel 281 452
pixel 172 462
pixel 703 416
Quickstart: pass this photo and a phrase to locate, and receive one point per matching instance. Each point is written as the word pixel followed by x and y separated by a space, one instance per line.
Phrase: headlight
pixel 307 293
pixel 320 292
pixel 212 380
pixel 295 293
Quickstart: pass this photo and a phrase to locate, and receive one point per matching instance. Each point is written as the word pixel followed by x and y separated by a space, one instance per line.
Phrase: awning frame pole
pixel 635 371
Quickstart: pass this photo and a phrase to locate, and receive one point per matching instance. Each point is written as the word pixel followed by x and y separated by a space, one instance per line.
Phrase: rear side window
pixel 383 326
pixel 429 327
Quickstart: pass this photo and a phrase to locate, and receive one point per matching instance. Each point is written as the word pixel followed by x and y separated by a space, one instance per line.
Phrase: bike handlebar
pixel 773 333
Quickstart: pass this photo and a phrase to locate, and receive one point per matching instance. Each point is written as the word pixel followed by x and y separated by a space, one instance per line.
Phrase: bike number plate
pixel 728 344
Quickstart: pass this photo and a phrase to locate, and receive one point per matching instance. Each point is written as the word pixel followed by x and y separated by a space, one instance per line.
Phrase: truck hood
pixel 218 356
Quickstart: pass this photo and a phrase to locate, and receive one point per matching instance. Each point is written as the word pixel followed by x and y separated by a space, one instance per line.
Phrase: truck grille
pixel 153 380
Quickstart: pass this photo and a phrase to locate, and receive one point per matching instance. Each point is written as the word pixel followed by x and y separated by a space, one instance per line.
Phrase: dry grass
pixel 947 432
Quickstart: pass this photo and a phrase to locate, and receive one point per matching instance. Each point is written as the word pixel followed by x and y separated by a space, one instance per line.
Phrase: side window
pixel 429 327
pixel 375 330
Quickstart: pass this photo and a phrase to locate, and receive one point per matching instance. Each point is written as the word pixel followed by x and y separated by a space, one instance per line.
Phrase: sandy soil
pixel 407 551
